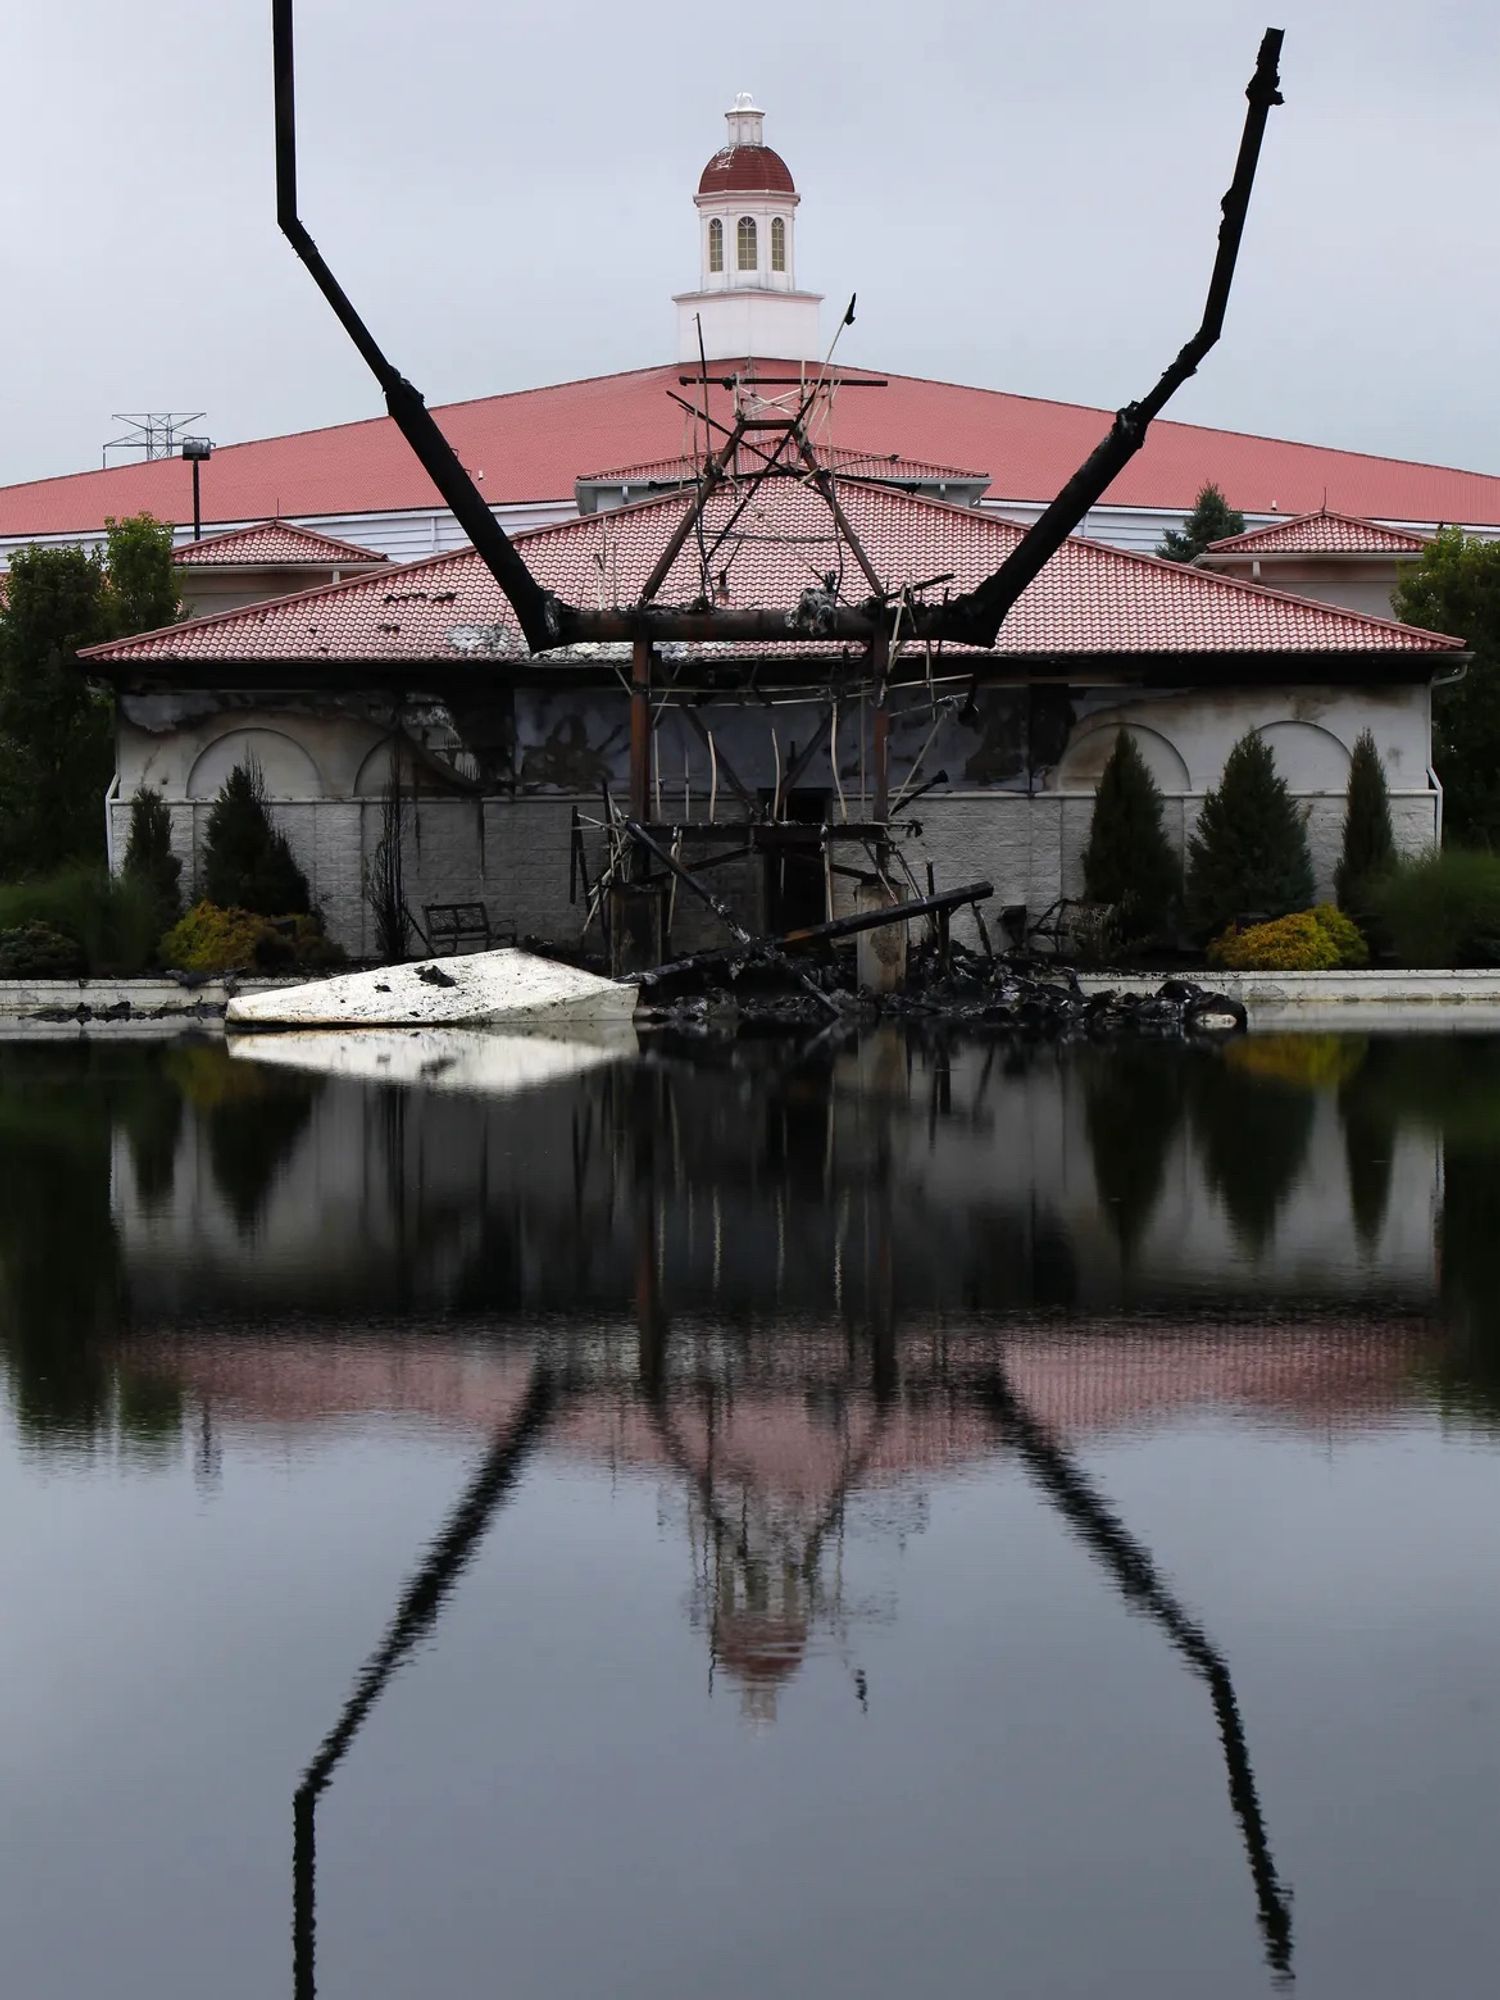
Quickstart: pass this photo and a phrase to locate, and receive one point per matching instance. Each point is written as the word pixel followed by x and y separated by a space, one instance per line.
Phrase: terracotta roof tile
pixel 1323 533
pixel 274 543
pixel 746 170
pixel 1089 600
pixel 531 445
pixel 839 459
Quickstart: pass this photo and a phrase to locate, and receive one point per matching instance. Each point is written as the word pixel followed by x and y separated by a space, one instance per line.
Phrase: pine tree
pixel 1129 860
pixel 1249 854
pixel 149 857
pixel 1369 849
pixel 1212 520
pixel 247 864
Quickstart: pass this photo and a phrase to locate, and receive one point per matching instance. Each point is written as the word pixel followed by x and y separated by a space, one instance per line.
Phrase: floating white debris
pixel 477 1062
pixel 508 988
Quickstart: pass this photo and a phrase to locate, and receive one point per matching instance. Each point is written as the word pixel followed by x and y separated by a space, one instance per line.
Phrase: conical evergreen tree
pixel 149 857
pixel 1212 520
pixel 247 864
pixel 1249 854
pixel 1129 860
pixel 1369 849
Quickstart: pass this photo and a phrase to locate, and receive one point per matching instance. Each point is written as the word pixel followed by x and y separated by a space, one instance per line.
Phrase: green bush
pixel 1129 863
pixel 1369 847
pixel 1441 909
pixel 1248 857
pixel 110 918
pixel 1318 940
pixel 247 864
pixel 37 951
pixel 212 939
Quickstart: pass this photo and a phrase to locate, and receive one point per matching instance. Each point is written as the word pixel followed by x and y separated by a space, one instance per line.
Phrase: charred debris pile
pixel 765 983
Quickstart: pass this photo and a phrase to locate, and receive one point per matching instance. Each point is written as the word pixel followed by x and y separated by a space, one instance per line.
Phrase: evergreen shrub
pixel 1248 856
pixel 149 858
pixel 1129 863
pixel 37 951
pixel 1369 847
pixel 247 863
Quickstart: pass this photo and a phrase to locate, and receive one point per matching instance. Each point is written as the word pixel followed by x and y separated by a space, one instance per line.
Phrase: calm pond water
pixel 733 1521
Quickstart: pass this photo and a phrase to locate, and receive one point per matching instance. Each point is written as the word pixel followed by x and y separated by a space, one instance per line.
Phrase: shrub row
pixel 257 913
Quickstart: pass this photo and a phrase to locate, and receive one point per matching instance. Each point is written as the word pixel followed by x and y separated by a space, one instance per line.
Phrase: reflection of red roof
pixel 276 543
pixel 746 170
pixel 532 445
pixel 1322 534
pixel 1089 600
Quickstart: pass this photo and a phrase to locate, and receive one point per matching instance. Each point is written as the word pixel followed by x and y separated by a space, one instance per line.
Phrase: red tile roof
pixel 746 170
pixel 531 445
pixel 276 544
pixel 839 459
pixel 1089 600
pixel 1323 533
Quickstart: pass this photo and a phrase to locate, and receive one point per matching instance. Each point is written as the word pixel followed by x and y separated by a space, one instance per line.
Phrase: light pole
pixel 195 450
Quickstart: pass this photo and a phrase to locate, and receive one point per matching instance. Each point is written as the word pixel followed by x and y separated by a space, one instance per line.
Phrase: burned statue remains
pixel 774 604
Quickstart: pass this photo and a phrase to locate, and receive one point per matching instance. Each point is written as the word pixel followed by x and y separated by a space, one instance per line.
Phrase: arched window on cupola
pixel 746 236
pixel 778 243
pixel 716 245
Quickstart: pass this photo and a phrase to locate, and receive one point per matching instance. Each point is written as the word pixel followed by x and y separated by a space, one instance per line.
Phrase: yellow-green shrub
pixel 209 939
pixel 1319 940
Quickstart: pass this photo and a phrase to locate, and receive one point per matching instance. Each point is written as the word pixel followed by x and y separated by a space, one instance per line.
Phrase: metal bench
pixel 455 927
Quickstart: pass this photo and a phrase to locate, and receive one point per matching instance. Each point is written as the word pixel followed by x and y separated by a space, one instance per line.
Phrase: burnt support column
pixel 640 730
pixel 880 661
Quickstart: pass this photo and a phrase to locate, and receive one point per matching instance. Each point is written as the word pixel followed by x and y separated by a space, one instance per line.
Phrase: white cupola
pixel 747 295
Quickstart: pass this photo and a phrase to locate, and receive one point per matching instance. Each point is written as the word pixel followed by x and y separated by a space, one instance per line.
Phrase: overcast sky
pixel 1024 196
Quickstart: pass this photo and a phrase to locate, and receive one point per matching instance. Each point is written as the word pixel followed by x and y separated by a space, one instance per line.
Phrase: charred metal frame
pixel 973 618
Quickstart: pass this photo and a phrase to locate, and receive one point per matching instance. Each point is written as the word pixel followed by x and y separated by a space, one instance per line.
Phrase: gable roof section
pixel 1090 599
pixel 272 544
pixel 838 459
pixel 1323 533
pixel 532 444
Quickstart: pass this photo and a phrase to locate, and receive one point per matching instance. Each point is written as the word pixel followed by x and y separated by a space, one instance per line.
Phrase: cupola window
pixel 747 247
pixel 778 243
pixel 716 245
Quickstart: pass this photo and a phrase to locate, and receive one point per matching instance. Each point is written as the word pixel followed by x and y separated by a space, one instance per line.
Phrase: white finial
pixel 745 101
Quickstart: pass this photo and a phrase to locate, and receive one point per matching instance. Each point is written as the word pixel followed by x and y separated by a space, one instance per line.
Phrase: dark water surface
pixel 877 1523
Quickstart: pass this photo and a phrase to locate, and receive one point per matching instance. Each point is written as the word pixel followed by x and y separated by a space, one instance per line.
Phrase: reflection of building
pixel 1083 1180
pixel 781 1290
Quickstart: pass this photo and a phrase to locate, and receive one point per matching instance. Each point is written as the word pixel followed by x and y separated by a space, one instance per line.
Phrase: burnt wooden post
pixel 640 729
pixel 880 662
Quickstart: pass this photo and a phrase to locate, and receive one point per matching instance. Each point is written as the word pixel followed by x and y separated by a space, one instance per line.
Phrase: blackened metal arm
pixel 417 1611
pixel 541 616
pixel 1137 1576
pixel 980 612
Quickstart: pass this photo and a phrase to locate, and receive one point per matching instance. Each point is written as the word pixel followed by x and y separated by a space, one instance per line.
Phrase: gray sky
pixel 1024 196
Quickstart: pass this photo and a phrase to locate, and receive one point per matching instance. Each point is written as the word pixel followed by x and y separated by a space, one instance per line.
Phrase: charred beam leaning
pixel 836 927
pixel 978 615
pixel 765 948
pixel 540 614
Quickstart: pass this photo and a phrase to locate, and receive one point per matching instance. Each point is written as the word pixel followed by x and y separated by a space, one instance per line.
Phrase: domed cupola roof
pixel 745 166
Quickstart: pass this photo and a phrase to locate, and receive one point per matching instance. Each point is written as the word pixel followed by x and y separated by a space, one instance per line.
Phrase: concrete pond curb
pixel 1357 999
